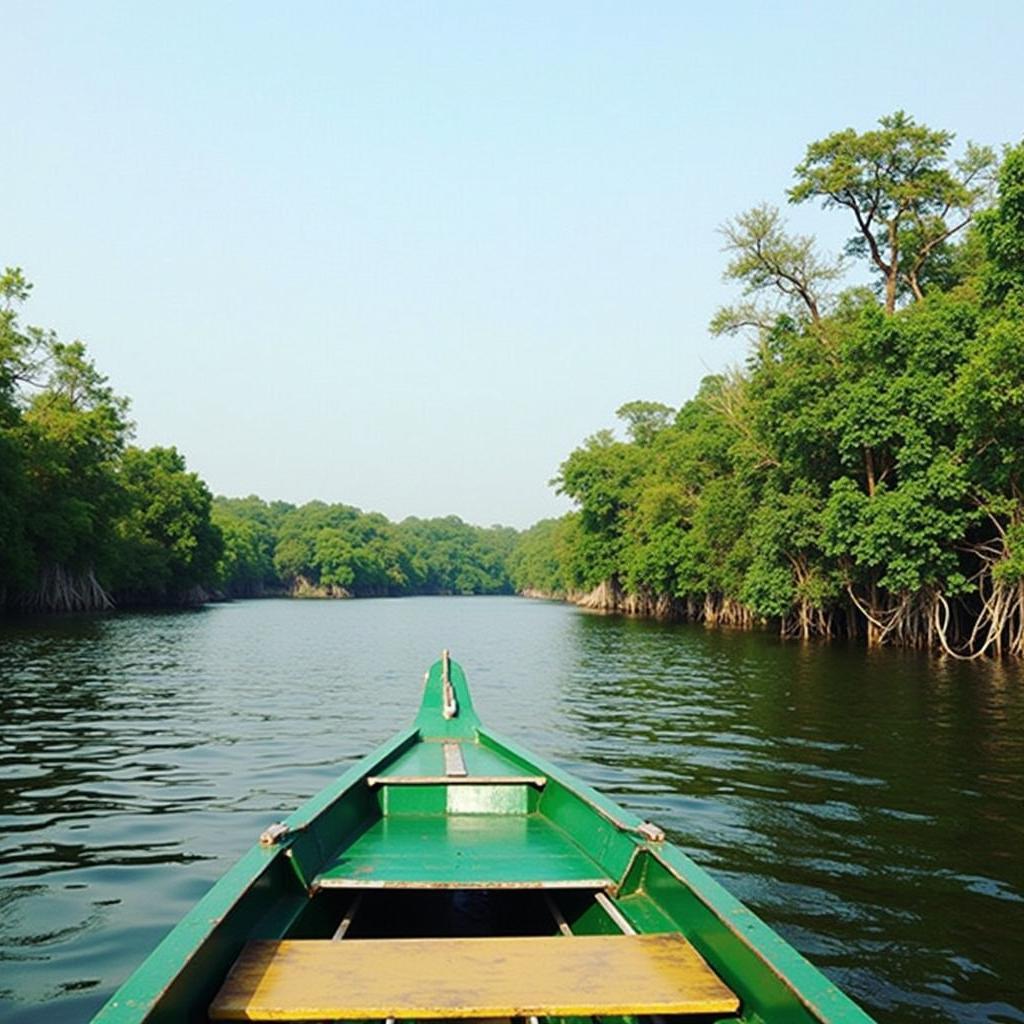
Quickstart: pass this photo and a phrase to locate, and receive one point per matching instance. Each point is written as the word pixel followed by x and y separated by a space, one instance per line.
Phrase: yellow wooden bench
pixel 470 978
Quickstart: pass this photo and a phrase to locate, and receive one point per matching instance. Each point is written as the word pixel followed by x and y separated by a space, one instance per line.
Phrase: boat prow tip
pixel 447 708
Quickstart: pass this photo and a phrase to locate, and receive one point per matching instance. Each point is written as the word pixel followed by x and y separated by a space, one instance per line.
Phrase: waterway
pixel 868 805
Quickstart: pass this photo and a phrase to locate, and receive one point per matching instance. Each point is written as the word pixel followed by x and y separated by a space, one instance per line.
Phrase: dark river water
pixel 869 806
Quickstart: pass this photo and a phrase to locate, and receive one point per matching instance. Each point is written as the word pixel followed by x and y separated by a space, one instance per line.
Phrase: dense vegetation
pixel 85 518
pixel 88 521
pixel 337 550
pixel 862 475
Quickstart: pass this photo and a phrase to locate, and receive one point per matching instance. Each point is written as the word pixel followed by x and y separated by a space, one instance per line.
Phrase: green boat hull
pixel 447 809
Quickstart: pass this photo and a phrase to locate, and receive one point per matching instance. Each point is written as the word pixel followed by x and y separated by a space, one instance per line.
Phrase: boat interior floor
pixel 462 851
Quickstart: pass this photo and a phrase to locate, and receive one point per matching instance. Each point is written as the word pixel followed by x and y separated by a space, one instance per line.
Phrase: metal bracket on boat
pixel 651 832
pixel 273 834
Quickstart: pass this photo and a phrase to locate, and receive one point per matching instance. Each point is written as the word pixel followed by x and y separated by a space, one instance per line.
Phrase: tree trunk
pixel 892 272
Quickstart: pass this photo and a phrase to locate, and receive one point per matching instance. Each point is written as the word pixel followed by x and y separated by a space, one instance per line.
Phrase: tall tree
pixel 645 420
pixel 73 434
pixel 16 558
pixel 766 259
pixel 906 197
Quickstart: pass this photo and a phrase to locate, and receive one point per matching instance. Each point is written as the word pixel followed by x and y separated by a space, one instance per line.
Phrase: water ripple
pixel 869 805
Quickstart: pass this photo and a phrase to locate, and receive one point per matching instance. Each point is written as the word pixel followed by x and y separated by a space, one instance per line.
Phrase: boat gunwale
pixel 165 961
pixel 812 987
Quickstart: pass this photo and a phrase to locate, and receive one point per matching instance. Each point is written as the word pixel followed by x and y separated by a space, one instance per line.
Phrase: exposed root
pixel 60 590
pixel 991 623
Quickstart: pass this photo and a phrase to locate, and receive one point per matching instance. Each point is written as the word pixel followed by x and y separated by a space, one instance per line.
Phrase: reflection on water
pixel 869 806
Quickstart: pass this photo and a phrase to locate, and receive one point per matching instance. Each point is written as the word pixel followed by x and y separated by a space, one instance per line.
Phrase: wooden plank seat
pixel 462 851
pixel 470 978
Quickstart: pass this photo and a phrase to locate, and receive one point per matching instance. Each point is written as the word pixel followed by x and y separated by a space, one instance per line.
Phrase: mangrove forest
pixel 862 474
pixel 859 476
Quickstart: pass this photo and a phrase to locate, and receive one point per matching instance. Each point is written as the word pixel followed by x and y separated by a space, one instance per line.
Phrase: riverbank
pixel 849 623
pixel 611 598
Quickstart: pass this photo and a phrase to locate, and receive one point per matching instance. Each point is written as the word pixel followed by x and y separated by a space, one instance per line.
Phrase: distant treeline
pixel 862 475
pixel 336 550
pixel 88 521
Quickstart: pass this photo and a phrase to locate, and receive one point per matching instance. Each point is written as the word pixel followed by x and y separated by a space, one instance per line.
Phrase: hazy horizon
pixel 407 257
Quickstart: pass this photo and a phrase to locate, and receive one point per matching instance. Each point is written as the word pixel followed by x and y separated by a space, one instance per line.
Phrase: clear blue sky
pixel 409 255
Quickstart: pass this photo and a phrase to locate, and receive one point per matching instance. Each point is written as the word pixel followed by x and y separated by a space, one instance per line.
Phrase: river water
pixel 870 806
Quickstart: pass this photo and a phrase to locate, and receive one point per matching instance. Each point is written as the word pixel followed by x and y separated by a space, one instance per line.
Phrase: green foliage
pixel 988 403
pixel 168 542
pixel 249 528
pixel 906 197
pixel 246 565
pixel 79 510
pixel 602 478
pixel 17 559
pixel 338 549
pixel 767 260
pixel 539 558
pixel 866 469
pixel 644 420
pixel 902 538
pixel 788 565
pixel 15 345
pixel 294 559
pixel 1002 230
pixel 72 435
pixel 449 556
pixel 1010 568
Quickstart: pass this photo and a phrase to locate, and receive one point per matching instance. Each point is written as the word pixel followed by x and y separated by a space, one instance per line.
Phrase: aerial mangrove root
pixel 807 621
pixel 60 590
pixel 989 621
pixel 998 629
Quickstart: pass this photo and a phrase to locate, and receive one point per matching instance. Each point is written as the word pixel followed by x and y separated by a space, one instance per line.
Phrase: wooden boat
pixel 452 875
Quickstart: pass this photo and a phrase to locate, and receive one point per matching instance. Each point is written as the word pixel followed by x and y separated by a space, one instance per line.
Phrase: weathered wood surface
pixel 471 978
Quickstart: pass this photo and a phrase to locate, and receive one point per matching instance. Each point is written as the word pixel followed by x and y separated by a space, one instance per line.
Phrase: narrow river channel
pixel 870 806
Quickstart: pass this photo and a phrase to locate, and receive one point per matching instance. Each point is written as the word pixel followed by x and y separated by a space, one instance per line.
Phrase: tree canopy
pixel 87 520
pixel 906 197
pixel 862 474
